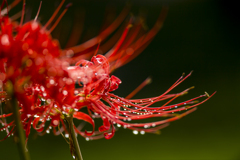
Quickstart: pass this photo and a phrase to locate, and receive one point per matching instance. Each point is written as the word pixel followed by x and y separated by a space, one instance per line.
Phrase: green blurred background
pixel 198 35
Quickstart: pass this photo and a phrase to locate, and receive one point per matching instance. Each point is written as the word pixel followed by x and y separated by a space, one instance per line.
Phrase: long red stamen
pixel 39 8
pixel 143 84
pixel 23 12
pixel 59 18
pixel 7 9
pixel 54 14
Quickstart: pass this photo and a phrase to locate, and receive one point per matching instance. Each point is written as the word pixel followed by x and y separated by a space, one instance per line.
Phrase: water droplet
pixel 5 40
pixel 48 100
pixel 142 132
pixel 87 139
pixel 67 135
pixel 118 125
pixel 52 81
pixel 76 92
pixel 55 122
pixel 135 132
pixel 73 157
pixel 48 131
pixel 65 92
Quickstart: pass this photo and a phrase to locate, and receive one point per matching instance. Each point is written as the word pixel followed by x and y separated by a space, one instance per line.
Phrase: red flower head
pixel 32 72
pixel 94 93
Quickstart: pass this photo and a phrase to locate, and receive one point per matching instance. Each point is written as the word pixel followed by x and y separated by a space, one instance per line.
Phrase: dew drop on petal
pixel 51 81
pixel 55 122
pixel 65 92
pixel 34 25
pixel 5 40
pixel 48 100
pixel 76 92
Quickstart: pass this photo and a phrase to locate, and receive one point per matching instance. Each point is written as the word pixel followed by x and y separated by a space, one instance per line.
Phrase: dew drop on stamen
pixel 48 131
pixel 135 132
pixel 73 157
pixel 87 139
pixel 142 132
pixel 118 125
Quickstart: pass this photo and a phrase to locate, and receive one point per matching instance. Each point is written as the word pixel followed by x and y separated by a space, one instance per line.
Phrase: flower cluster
pixel 33 73
pixel 38 73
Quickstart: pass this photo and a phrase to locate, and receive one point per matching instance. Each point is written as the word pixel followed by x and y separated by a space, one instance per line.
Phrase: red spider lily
pixel 94 94
pixel 44 83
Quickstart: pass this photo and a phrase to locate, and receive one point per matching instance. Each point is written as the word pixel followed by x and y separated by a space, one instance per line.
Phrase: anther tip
pixel 207 94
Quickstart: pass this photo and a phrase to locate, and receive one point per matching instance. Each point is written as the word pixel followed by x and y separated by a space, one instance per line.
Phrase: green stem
pixel 73 142
pixel 19 133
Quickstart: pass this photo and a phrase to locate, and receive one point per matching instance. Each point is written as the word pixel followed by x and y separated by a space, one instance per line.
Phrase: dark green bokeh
pixel 202 36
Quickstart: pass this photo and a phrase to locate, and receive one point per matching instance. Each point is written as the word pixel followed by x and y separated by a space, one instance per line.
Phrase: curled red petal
pixel 35 122
pixel 110 135
pixel 87 118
